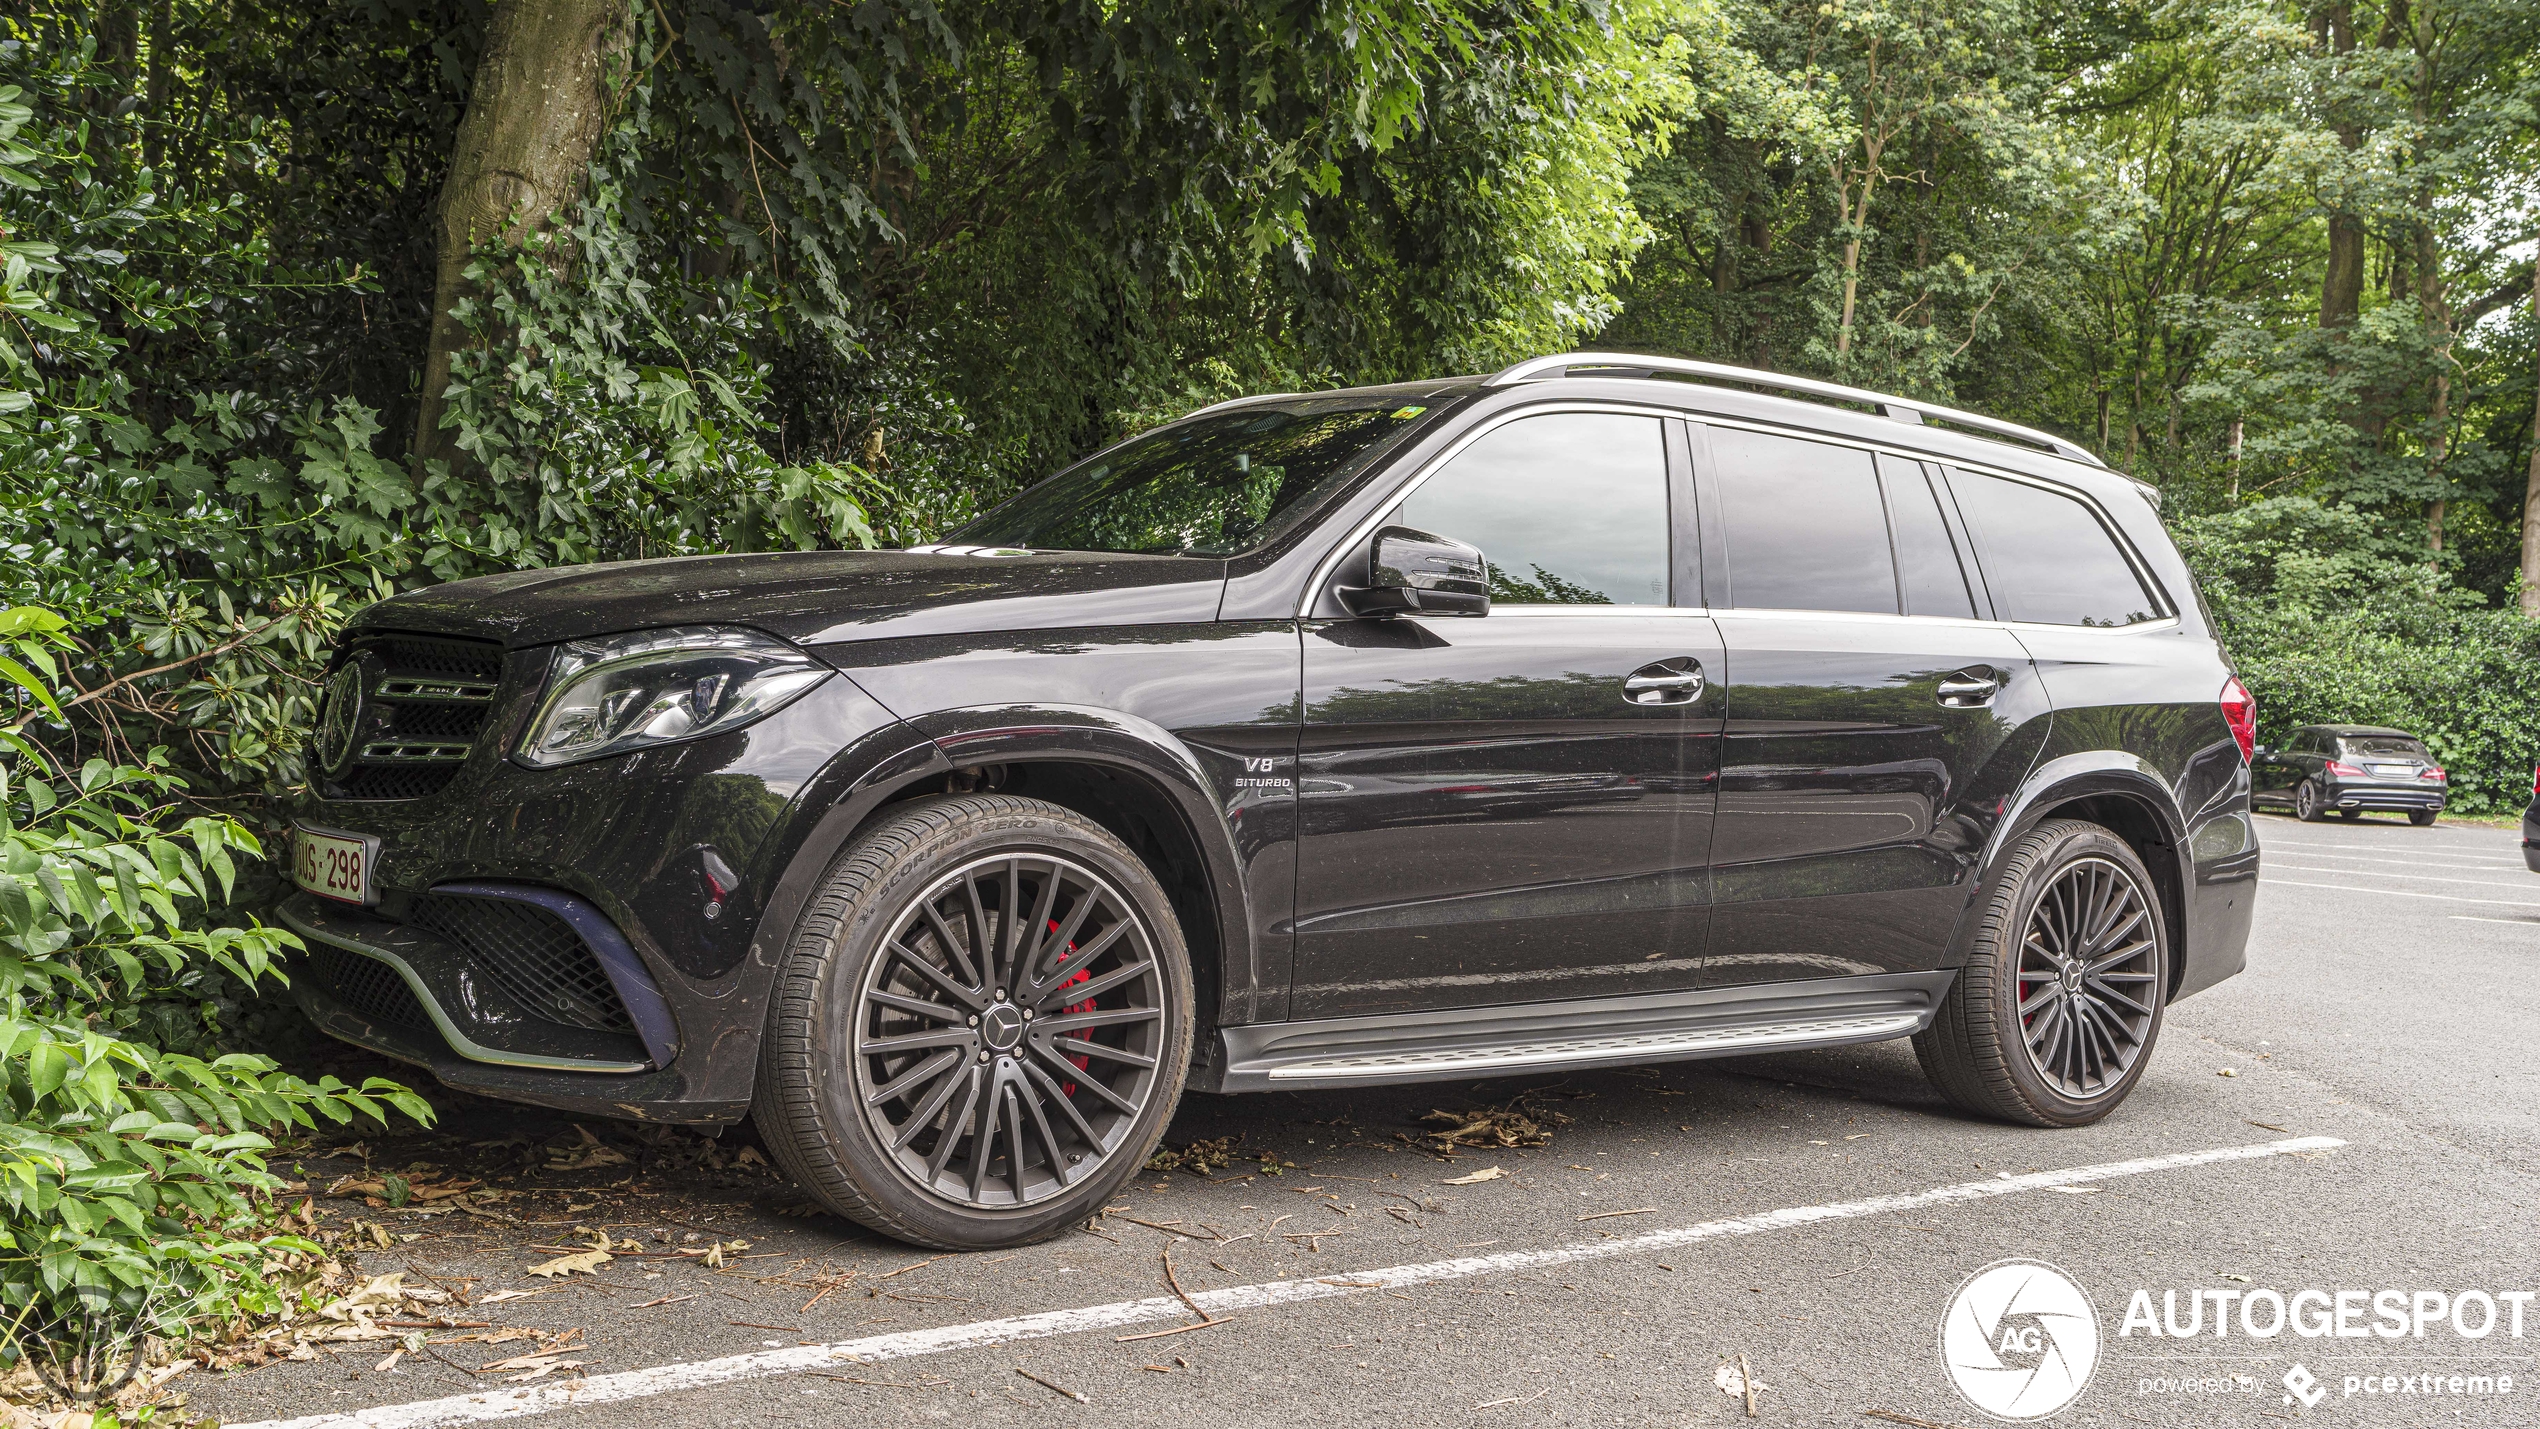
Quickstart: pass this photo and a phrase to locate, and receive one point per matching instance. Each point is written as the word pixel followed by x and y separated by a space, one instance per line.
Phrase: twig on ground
pixel 1049 1384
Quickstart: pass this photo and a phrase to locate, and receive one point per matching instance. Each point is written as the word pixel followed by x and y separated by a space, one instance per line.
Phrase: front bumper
pixel 409 994
pixel 631 840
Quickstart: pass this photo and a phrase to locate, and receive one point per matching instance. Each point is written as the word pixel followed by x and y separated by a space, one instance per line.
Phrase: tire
pixel 2306 802
pixel 2422 818
pixel 1980 1051
pixel 1029 1119
pixel 2353 816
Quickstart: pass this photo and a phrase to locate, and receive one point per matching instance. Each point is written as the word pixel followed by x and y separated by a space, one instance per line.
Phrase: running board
pixel 1470 1043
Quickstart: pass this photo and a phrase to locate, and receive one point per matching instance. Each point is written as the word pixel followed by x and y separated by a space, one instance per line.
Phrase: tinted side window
pixel 2046 557
pixel 1569 509
pixel 1805 527
pixel 1927 568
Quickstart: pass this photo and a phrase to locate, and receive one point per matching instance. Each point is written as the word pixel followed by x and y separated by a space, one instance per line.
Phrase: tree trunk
pixel 2342 283
pixel 2531 482
pixel 534 120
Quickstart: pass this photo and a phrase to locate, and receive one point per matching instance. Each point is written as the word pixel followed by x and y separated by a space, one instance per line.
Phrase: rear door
pixel 1488 814
pixel 1875 711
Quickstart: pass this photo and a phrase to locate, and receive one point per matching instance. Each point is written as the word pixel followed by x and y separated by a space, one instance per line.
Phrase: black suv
pixel 1606 710
pixel 2351 769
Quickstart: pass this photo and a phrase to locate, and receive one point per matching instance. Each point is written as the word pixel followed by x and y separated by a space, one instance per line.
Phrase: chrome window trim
pixel 2142 627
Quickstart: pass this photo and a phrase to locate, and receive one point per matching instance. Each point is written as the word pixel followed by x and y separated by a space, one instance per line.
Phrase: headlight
pixel 627 692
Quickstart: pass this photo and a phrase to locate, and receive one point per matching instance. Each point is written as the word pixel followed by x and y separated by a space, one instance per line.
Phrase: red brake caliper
pixel 1083 1063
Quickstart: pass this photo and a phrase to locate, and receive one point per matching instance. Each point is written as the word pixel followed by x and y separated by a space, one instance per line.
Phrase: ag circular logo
pixel 2019 1339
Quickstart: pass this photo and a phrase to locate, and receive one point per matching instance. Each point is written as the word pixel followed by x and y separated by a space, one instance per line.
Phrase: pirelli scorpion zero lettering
pixel 1600 711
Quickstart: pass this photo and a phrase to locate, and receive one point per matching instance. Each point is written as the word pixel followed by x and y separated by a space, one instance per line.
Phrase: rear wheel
pixel 981 1026
pixel 2306 802
pixel 2054 1017
pixel 2350 815
pixel 2422 818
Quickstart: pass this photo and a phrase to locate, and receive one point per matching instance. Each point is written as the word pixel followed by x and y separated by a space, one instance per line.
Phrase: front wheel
pixel 2052 1020
pixel 980 1027
pixel 2306 802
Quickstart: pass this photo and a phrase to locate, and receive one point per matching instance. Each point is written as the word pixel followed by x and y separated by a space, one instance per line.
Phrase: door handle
pixel 1666 682
pixel 1971 688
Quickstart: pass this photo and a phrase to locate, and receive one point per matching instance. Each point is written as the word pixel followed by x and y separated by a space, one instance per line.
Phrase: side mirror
pixel 1414 573
pixel 2260 752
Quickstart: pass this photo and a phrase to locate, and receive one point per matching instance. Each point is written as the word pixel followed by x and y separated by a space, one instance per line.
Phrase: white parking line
pixel 2474 918
pixel 2316 851
pixel 2521 883
pixel 669 1379
pixel 2398 893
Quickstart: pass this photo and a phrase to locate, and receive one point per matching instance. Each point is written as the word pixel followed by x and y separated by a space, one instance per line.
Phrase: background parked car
pixel 2531 826
pixel 2352 769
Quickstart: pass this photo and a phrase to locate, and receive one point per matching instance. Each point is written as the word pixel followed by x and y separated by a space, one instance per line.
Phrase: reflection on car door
pixel 1874 713
pixel 1487 815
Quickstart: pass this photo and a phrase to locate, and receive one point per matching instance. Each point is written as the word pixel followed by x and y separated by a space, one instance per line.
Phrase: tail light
pixel 2240 711
pixel 2436 773
pixel 2340 769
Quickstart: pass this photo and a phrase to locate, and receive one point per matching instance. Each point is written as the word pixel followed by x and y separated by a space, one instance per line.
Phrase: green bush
pixel 133 1190
pixel 2327 629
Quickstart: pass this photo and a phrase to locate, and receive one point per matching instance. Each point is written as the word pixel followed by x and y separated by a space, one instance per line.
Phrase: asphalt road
pixel 2392 1004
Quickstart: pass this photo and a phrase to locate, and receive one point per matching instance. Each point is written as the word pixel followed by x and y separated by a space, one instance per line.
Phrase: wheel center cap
pixel 2071 977
pixel 1002 1026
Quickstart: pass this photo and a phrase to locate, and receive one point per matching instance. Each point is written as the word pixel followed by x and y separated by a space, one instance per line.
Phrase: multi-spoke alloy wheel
pixel 2088 966
pixel 980 1026
pixel 2052 1020
pixel 1007 1037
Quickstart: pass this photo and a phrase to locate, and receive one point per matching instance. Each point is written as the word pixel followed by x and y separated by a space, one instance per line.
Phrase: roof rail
pixel 1901 409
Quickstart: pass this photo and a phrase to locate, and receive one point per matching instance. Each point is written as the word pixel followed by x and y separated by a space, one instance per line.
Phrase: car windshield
pixel 1213 486
pixel 2382 746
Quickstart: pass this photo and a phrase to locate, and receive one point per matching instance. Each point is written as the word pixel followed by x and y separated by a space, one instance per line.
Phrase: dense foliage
pixel 133 1192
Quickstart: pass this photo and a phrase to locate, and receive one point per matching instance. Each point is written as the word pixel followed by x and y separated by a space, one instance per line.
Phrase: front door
pixel 1874 720
pixel 1517 807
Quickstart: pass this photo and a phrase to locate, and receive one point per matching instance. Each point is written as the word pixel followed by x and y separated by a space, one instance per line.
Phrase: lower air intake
pixel 532 954
pixel 368 987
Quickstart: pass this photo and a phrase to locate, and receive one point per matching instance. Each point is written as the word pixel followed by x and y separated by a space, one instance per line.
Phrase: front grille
pixel 436 696
pixel 532 954
pixel 370 988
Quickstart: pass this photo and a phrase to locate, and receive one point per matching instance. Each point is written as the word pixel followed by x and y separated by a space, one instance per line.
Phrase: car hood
pixel 815 597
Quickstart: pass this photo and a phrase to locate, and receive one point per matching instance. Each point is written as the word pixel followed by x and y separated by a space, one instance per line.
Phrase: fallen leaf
pixel 588 1262
pixel 2228 1072
pixel 1487 1173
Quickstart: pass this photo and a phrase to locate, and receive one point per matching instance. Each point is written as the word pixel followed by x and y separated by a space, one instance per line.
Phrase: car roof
pixel 1936 433
pixel 2344 731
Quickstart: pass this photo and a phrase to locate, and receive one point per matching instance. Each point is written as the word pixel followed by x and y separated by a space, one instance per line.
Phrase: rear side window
pixel 1927 569
pixel 1805 527
pixel 2047 558
pixel 1569 508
